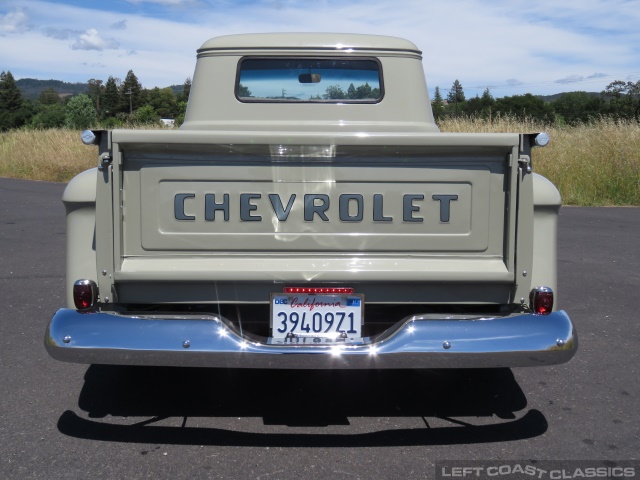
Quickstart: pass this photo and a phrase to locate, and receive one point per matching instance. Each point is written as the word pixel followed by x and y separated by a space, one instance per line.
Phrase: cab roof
pixel 309 41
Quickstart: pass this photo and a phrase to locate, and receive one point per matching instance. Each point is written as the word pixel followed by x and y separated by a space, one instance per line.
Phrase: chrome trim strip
pixel 427 341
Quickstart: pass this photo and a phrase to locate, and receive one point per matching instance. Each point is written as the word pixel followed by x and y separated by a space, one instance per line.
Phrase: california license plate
pixel 316 315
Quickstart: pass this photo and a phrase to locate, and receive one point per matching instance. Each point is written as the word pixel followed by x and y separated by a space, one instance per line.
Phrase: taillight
pixel 326 290
pixel 84 294
pixel 542 300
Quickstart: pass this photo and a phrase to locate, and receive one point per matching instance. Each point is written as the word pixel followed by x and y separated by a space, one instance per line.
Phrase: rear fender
pixel 79 200
pixel 546 206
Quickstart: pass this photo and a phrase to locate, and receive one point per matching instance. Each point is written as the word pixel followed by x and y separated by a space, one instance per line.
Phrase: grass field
pixel 56 155
pixel 592 164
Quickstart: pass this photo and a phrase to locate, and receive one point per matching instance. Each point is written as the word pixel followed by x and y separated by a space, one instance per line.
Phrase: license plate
pixel 316 316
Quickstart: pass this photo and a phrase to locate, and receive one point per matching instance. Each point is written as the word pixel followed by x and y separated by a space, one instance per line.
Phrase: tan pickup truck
pixel 309 214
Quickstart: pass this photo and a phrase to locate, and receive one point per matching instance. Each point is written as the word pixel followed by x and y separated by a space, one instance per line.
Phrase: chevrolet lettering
pixel 330 227
pixel 351 207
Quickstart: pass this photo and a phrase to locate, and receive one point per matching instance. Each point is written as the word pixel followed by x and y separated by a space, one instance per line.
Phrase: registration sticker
pixel 298 316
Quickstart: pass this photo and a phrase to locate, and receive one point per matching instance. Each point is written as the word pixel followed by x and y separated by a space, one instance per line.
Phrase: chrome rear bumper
pixel 426 341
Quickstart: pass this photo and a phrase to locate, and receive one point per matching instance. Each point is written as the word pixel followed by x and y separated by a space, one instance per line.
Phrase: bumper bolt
pixel 66 339
pixel 186 344
pixel 560 342
pixel 446 345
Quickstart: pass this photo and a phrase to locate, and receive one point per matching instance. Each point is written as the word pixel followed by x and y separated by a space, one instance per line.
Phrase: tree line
pixel 116 103
pixel 109 104
pixel 619 100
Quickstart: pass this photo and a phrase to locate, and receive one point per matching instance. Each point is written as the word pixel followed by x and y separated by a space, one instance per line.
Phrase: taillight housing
pixel 542 300
pixel 85 294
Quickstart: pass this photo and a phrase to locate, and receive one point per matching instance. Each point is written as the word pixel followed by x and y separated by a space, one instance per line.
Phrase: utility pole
pixel 128 92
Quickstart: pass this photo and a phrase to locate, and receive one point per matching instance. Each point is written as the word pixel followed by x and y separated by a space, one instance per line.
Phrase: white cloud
pixel 91 40
pixel 481 43
pixel 16 21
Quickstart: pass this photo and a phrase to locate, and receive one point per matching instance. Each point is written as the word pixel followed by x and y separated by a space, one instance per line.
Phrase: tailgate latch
pixel 105 161
pixel 525 163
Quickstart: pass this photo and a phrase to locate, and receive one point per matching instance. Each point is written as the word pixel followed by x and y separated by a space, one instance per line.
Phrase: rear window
pixel 324 80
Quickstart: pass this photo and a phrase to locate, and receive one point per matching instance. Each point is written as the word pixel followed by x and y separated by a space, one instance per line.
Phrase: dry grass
pixel 593 164
pixel 56 155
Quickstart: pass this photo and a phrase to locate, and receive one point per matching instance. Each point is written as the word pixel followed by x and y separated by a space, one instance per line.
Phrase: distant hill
pixel 31 88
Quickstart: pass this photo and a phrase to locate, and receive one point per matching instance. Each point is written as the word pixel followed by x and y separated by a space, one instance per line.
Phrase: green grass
pixel 593 164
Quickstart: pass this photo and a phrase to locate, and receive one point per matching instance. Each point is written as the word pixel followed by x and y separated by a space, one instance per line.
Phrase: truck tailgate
pixel 267 208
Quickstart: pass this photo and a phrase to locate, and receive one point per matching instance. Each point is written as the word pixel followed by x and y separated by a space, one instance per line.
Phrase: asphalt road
pixel 71 421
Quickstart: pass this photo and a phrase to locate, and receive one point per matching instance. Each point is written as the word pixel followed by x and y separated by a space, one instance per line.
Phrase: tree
pixel 481 106
pixel 525 106
pixel 131 93
pixel 243 92
pixel 186 90
pixel 456 98
pixel 456 93
pixel 110 98
pixel 364 91
pixel 95 92
pixel 437 105
pixel 182 110
pixel 578 107
pixel 334 92
pixel 13 112
pixel 473 106
pixel 49 116
pixel 623 98
pixel 10 96
pixel 487 99
pixel 163 102
pixel 617 89
pixel 81 113
pixel 146 115
pixel 50 112
pixel 49 97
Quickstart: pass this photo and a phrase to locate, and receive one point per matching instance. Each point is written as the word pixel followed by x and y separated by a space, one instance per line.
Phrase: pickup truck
pixel 309 214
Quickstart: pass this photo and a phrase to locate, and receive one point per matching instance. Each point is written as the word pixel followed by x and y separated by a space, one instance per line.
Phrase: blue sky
pixel 509 46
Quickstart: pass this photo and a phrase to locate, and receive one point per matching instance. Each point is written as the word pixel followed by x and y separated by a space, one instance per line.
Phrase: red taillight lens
pixel 84 294
pixel 325 290
pixel 542 300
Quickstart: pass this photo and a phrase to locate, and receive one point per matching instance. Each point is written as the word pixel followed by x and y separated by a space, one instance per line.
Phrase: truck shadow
pixel 299 398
